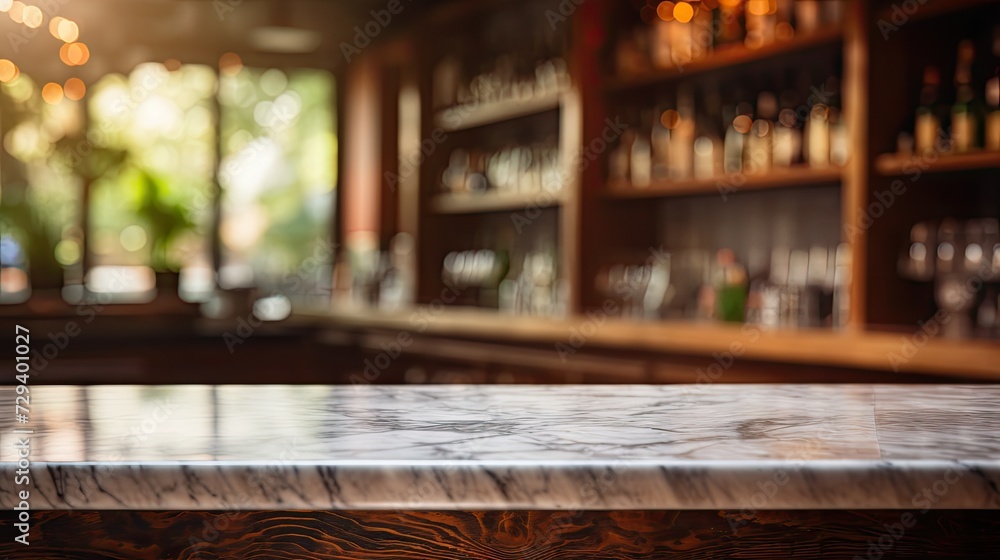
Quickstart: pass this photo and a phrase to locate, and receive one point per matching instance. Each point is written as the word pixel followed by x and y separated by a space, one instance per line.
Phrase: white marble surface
pixel 740 447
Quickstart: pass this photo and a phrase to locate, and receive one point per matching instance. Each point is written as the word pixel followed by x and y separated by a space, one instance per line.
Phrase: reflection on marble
pixel 499 447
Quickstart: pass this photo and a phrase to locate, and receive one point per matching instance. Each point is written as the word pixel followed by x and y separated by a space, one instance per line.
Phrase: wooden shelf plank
pixel 730 184
pixel 726 58
pixel 898 164
pixel 818 347
pixel 492 202
pixel 474 115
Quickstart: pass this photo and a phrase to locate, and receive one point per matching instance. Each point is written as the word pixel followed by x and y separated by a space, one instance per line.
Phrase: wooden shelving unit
pixel 727 185
pixel 896 164
pixel 478 203
pixel 597 224
pixel 474 115
pixel 726 59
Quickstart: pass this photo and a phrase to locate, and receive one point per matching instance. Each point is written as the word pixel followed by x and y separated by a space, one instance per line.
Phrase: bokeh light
pixel 33 17
pixel 67 31
pixel 133 238
pixel 230 64
pixel 75 89
pixel 665 10
pixel 683 12
pixel 68 252
pixel 52 93
pixel 5 5
pixel 16 11
pixel 74 54
pixel 8 70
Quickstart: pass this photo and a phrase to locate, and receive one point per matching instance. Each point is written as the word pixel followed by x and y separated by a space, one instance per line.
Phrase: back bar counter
pixel 497 472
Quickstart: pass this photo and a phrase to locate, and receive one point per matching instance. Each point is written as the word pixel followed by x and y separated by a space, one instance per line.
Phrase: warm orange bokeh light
pixel 230 64
pixel 75 89
pixel 54 26
pixel 670 118
pixel 665 10
pixel 16 12
pixel 52 93
pixel 7 69
pixel 683 12
pixel 74 54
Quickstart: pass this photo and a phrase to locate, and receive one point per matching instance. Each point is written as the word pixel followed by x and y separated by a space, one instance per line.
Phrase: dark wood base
pixel 496 535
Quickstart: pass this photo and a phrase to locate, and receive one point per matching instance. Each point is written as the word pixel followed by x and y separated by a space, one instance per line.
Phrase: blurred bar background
pixel 504 191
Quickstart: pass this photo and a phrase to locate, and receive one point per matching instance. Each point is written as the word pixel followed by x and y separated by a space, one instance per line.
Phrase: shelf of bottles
pixel 678 39
pixel 799 288
pixel 961 258
pixel 723 98
pixel 956 127
pixel 728 133
pixel 497 184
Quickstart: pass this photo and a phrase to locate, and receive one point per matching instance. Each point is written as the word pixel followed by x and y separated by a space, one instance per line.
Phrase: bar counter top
pixel 493 447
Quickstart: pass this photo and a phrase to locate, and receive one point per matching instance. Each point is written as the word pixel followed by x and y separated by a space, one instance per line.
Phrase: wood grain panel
pixel 502 535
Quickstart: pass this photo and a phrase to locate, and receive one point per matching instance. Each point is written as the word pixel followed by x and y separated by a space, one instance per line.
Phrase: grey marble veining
pixel 742 447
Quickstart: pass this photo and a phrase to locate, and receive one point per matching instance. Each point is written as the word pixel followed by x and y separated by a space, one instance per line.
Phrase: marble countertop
pixel 733 447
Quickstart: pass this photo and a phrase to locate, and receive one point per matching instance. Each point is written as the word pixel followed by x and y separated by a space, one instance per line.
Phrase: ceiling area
pixel 123 33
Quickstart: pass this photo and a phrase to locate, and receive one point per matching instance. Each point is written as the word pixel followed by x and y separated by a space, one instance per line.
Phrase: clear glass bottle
pixel 927 126
pixel 966 113
pixel 735 142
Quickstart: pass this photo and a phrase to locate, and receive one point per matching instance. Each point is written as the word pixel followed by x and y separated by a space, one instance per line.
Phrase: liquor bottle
pixel 927 127
pixel 993 119
pixel 682 136
pixel 842 286
pixel 992 137
pixel 839 139
pixel 817 136
pixel 762 19
pixel 807 16
pixel 703 41
pixel 660 43
pixel 730 22
pixel 660 141
pixel 787 149
pixel 730 287
pixel 708 146
pixel 760 140
pixel 785 13
pixel 681 40
pixel 965 114
pixel 640 161
pixel 735 142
